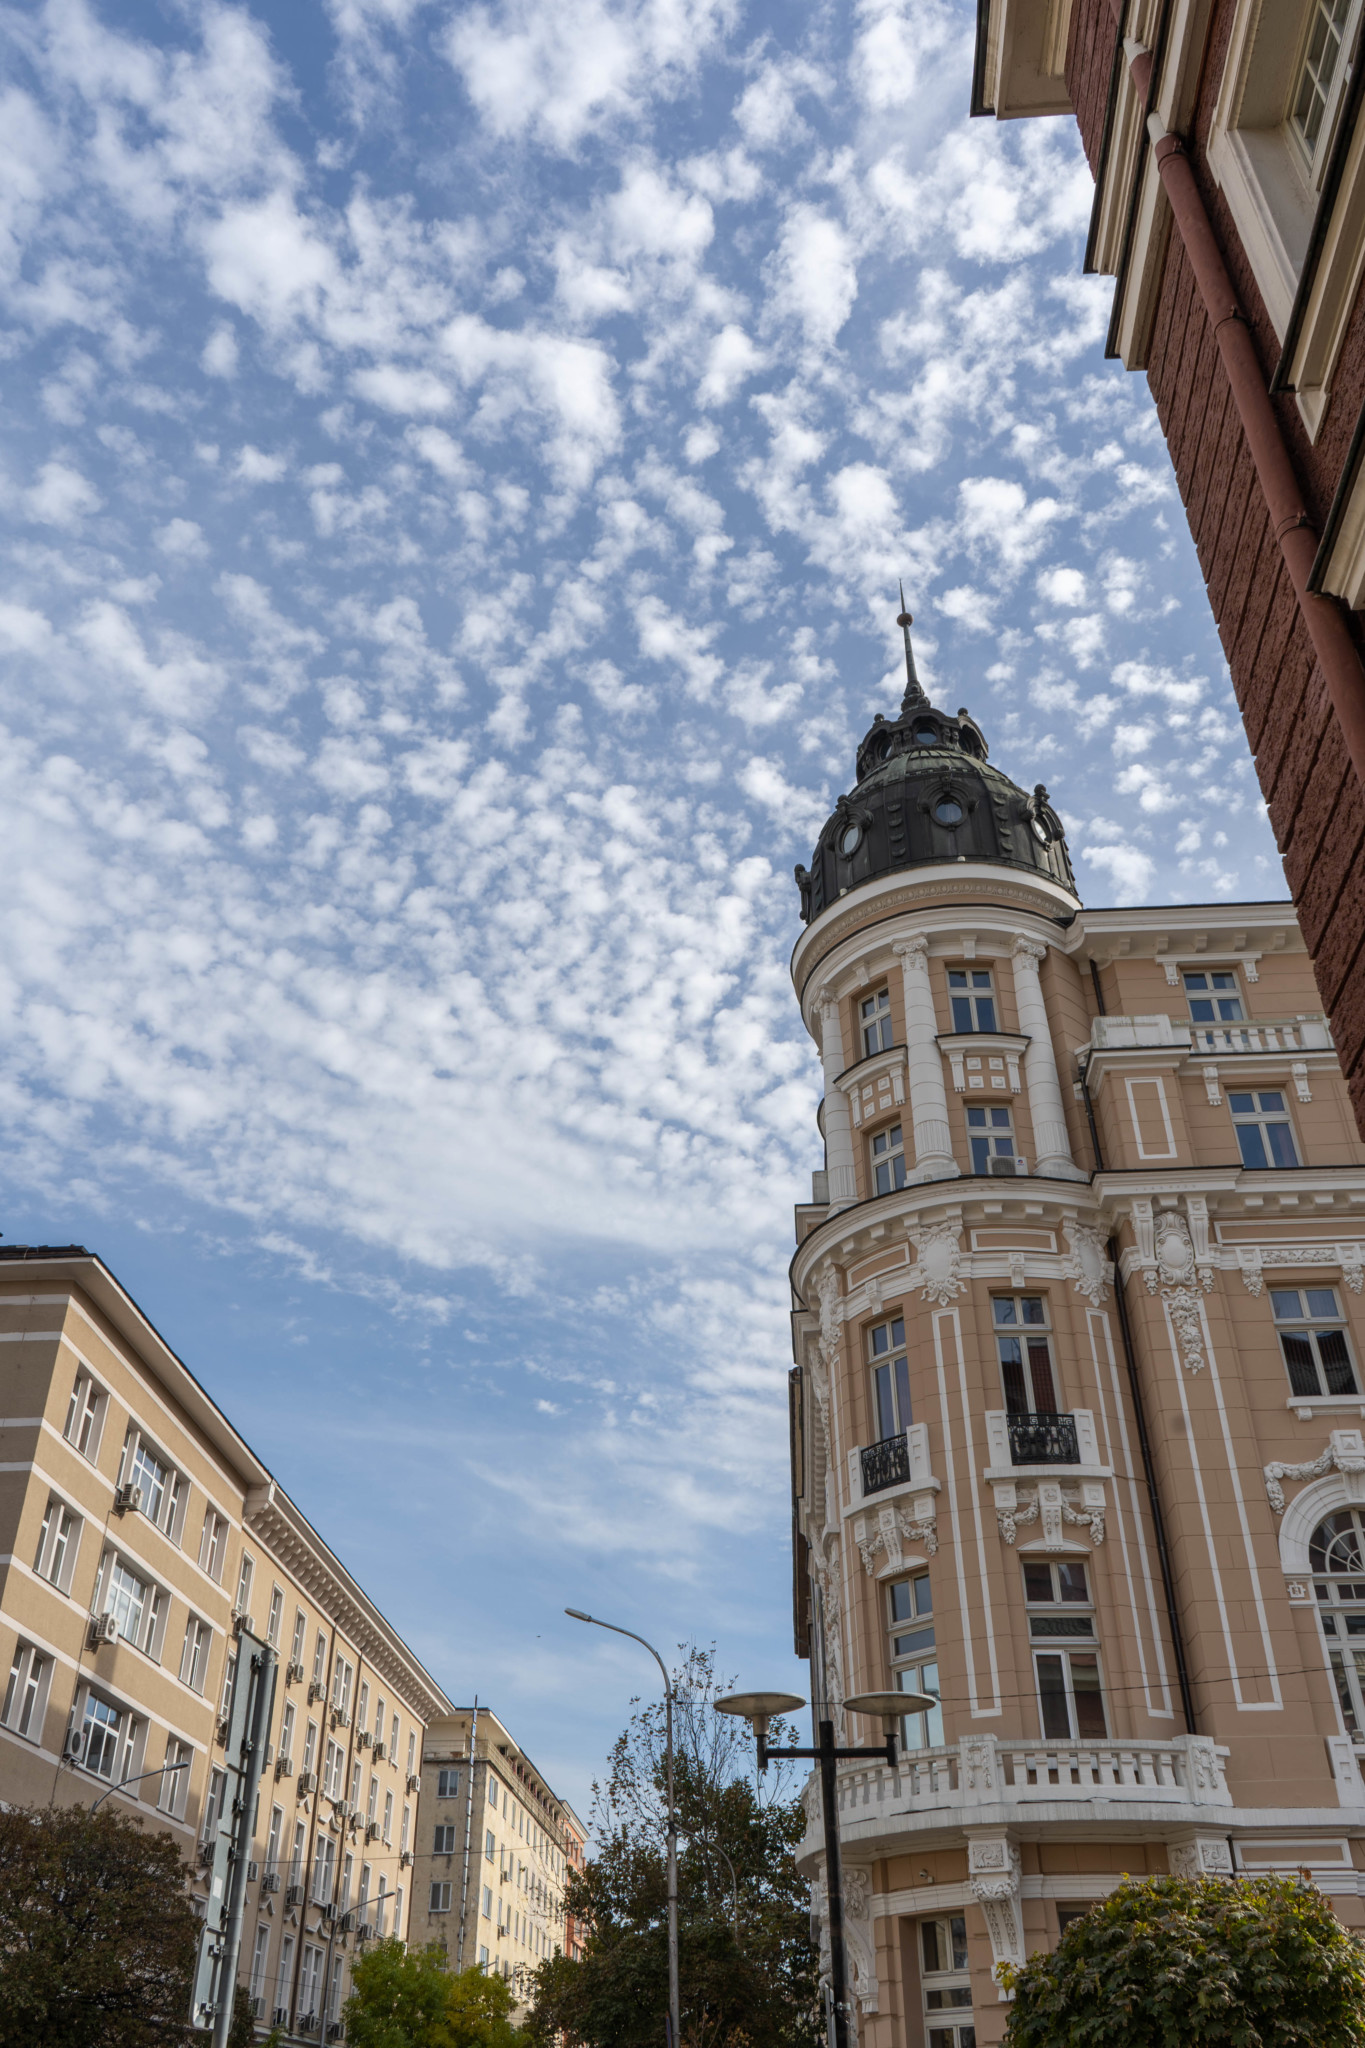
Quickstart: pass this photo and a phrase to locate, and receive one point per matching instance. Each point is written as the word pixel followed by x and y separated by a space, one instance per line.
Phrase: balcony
pixel 1042 1440
pixel 1179 1034
pixel 990 1781
pixel 885 1464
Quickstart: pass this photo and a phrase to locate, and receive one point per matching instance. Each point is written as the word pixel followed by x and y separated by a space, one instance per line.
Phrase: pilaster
pixel 928 1094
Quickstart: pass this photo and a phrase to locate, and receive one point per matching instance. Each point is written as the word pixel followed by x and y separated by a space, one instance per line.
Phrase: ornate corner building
pixel 1078 1410
pixel 1227 144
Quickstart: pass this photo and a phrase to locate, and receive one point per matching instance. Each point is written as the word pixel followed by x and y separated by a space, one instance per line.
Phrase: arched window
pixel 1336 1557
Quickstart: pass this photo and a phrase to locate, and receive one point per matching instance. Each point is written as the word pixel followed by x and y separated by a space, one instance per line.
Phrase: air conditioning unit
pixel 281 2016
pixel 220 1733
pixel 284 1767
pixel 128 1497
pixel 103 1629
pixel 363 1738
pixel 342 1808
pixel 405 1859
pixel 363 1930
pixel 206 1854
pixel 316 1690
pixel 307 1782
pixel 414 1783
pixel 242 1620
pixel 346 1924
pixel 380 1752
pixel 1005 1169
pixel 340 1718
pixel 293 1673
pixel 372 1831
pixel 293 1895
pixel 253 1871
pixel 270 1882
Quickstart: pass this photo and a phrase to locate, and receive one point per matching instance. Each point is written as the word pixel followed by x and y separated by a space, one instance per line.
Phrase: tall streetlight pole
pixel 674 2011
pixel 758 1708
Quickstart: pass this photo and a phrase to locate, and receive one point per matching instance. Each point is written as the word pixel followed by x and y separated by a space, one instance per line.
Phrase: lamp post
pixel 163 1771
pixel 758 1708
pixel 674 2035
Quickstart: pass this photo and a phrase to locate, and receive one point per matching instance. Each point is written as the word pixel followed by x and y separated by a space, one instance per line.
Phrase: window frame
pixel 888 1372
pixel 890 1162
pixel 24 1707
pixel 1263 1120
pixel 1310 1327
pixel 59 1542
pixel 977 986
pixel 951 1979
pixel 89 1412
pixel 1212 997
pixel 989 1114
pixel 198 1656
pixel 154 1610
pixel 919 1664
pixel 1036 1331
pixel 170 1489
pixel 875 1022
pixel 1067 1659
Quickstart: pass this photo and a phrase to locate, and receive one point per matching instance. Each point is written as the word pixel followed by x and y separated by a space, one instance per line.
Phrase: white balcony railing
pixel 956 1784
pixel 1287 1034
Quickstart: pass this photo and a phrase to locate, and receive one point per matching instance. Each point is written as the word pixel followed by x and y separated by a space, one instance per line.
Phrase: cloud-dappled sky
pixel 457 462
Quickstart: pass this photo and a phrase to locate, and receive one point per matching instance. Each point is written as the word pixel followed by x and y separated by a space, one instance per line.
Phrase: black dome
pixel 926 793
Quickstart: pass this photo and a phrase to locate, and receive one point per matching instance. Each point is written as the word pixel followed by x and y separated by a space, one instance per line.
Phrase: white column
pixel 928 1096
pixel 843 1185
pixel 1050 1140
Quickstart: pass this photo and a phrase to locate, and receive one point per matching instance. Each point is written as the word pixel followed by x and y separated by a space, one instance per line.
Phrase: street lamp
pixel 758 1708
pixel 674 2016
pixel 164 1771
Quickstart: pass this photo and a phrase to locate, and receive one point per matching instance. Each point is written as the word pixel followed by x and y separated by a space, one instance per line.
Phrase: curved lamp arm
pixel 163 1771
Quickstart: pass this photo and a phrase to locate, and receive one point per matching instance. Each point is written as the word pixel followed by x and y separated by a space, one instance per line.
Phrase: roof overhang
pixel 1020 58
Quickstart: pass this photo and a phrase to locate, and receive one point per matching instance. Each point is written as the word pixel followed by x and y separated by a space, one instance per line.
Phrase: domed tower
pixel 1043 1507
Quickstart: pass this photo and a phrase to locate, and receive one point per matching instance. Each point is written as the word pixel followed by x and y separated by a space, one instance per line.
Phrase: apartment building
pixel 1228 150
pixel 495 1849
pixel 139 1534
pixel 1078 1411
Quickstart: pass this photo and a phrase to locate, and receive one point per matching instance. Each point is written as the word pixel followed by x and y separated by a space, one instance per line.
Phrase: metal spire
pixel 914 694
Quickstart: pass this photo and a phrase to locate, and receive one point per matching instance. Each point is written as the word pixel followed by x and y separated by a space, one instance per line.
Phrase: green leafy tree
pixel 1169 1963
pixel 242 2033
pixel 97 1940
pixel 752 1988
pixel 407 1998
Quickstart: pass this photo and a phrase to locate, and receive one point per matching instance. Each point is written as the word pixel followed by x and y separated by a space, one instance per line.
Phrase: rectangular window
pixel 85 1416
pixel 310 1746
pixel 946 1982
pixel 107 1740
pixel 155 1478
pixel 362 1710
pixel 386 1832
pixel 406 1834
pixel 488 1902
pixel 971 998
pixel 1064 1587
pixel 440 1897
pixel 194 1657
pixel 1069 1696
pixel 26 1692
pixel 256 1983
pixel 412 1752
pixel 244 1578
pixel 1317 85
pixel 272 1626
pixel 1265 1135
pixel 875 1013
pixel 490 1847
pixel 126 1598
pixel 355 1786
pixel 887 1152
pixel 342 1682
pixel 1025 1355
pixel 492 1790
pixel 447 1784
pixel 213 1545
pixel 393 1741
pixel 1213 998
pixel 890 1378
pixel 174 1787
pixel 1313 1338
pixel 287 1730
pixel 319 1658
pixel 444 1841
pixel 333 1780
pixel 57 1541
pixel 990 1139
pixel 374 1795
pixel 284 1983
pixel 914 1663
pixel 347 1880
pixel 296 1644
pixel 272 1847
pixel 334 1992
pixel 324 1868
pixel 310 1986
pixel 213 1805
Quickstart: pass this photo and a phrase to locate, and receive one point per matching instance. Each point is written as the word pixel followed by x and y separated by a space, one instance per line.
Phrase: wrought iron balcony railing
pixel 1043 1440
pixel 885 1464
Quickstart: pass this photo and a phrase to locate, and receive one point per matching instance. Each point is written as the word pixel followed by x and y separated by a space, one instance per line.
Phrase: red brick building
pixel 1228 150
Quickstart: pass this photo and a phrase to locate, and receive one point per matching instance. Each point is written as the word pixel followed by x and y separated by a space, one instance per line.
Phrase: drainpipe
pixel 1333 646
pixel 468 1835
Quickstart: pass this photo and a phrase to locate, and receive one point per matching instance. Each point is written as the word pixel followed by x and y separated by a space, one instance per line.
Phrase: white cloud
pixel 61 496
pixel 220 353
pixel 814 276
pixel 733 359
pixel 183 538
pixel 254 466
pixel 1129 870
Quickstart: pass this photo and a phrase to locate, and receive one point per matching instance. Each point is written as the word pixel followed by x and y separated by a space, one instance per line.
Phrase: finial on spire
pixel 914 692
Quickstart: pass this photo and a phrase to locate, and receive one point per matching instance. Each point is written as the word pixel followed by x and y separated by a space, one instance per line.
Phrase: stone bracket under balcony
pixel 893 1496
pixel 1047 1478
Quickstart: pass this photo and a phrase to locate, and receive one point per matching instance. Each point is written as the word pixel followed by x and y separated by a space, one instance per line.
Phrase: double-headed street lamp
pixel 758 1708
pixel 674 2036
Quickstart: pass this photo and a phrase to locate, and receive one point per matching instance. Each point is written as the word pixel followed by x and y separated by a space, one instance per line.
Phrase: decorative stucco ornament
pixel 939 1254
pixel 1086 1262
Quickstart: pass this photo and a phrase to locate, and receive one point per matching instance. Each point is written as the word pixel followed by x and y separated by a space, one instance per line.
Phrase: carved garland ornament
pixel 1179 1272
pixel 902 1528
pixel 1013 1519
pixel 1345 1454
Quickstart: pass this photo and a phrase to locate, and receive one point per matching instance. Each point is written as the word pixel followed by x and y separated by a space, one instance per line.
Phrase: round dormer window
pixel 850 839
pixel 926 735
pixel 948 811
pixel 1040 831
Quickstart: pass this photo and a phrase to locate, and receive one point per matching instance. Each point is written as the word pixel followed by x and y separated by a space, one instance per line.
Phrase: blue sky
pixel 457 461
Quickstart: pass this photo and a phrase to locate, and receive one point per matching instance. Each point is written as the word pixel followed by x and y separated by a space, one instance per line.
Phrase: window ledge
pixel 1306 1406
pixel 988 1060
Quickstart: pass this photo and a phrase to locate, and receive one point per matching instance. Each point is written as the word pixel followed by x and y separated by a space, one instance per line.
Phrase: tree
pixel 759 1990
pixel 1167 1962
pixel 407 1998
pixel 97 1939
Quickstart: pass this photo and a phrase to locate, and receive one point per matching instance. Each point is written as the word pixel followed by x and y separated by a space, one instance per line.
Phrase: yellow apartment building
pixel 1079 1399
pixel 495 1849
pixel 138 1533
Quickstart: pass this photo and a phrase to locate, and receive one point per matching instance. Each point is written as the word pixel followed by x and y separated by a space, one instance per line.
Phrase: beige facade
pixel 139 1531
pixel 495 1849
pixel 1092 1181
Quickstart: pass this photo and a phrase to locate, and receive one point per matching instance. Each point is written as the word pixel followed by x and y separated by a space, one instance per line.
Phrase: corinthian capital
pixel 913 952
pixel 1026 947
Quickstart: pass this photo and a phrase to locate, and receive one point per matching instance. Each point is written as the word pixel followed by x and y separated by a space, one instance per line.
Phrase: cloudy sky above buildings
pixel 457 463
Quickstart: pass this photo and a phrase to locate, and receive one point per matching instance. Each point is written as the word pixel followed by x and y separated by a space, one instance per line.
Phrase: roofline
pixel 524 1756
pixel 94 1279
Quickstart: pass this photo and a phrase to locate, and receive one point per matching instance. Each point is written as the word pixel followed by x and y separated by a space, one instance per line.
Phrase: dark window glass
pixel 1052 1695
